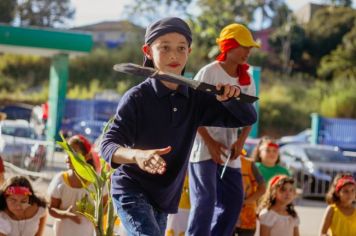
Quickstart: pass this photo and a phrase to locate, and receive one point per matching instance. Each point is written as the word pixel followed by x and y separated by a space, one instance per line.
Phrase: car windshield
pixel 320 155
pixel 23 132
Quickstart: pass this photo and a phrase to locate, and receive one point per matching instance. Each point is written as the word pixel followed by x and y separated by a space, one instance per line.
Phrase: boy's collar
pixel 162 90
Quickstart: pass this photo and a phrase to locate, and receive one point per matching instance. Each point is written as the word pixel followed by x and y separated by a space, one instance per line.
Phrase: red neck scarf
pixel 243 75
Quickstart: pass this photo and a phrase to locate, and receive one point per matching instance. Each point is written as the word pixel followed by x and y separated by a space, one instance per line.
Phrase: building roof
pixel 123 26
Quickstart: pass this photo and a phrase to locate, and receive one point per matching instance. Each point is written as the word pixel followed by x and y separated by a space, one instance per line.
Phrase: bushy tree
pixel 325 32
pixel 281 16
pixel 47 13
pixel 288 42
pixel 7 10
pixel 340 63
pixel 25 71
pixel 99 65
pixel 151 10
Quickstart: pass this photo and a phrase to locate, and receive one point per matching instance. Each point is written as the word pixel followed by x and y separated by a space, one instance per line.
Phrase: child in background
pixel 340 216
pixel 277 215
pixel 66 189
pixel 254 188
pixel 217 201
pixel 22 212
pixel 266 157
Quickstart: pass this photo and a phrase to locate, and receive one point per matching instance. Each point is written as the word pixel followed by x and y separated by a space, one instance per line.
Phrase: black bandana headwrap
pixel 165 26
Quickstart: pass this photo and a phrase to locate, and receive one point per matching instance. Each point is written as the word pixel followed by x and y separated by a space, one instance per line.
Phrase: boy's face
pixel 168 52
pixel 239 55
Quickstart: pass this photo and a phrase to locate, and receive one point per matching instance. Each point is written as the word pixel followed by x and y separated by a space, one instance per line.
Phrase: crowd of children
pixel 151 182
pixel 23 213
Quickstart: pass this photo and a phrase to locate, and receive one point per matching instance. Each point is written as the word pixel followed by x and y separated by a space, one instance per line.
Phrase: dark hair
pixel 269 198
pixel 332 197
pixel 22 182
pixel 84 147
pixel 255 155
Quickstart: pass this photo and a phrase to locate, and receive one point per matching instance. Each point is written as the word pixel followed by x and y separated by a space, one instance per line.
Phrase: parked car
pixel 89 128
pixel 18 111
pixel 302 137
pixel 315 166
pixel 20 145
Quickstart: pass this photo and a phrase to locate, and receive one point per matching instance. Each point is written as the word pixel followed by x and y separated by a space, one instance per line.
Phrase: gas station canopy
pixel 43 41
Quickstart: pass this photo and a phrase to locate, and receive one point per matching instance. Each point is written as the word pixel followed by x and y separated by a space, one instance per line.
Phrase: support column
pixel 57 94
pixel 315 125
pixel 256 75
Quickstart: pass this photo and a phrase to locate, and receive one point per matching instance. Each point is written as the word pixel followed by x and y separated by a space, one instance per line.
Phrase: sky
pixel 93 11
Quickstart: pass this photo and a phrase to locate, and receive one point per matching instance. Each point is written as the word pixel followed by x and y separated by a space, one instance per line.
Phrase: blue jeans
pixel 138 216
pixel 215 203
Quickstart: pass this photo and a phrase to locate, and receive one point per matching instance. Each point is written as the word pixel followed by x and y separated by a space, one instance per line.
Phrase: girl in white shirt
pixel 66 189
pixel 22 213
pixel 277 215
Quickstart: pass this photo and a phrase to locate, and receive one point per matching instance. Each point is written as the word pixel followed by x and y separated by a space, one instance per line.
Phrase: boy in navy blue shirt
pixel 154 127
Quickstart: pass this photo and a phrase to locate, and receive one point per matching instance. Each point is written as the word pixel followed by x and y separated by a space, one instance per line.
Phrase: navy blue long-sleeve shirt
pixel 152 116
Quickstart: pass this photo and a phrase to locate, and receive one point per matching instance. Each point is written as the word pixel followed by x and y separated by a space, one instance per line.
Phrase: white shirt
pixel 279 224
pixel 27 227
pixel 213 73
pixel 59 189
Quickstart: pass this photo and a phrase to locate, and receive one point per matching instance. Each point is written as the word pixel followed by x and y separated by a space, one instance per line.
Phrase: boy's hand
pixel 229 91
pixel 151 160
pixel 216 149
pixel 237 149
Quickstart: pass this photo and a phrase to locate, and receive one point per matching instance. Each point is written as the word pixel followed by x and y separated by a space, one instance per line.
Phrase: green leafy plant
pixel 92 206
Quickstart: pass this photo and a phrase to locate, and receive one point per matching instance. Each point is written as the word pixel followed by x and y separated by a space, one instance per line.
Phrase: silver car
pixel 315 166
pixel 20 145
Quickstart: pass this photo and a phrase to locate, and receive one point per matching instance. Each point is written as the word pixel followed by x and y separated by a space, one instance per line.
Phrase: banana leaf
pixel 83 169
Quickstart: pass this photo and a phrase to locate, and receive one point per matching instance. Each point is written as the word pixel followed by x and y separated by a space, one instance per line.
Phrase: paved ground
pixel 310 211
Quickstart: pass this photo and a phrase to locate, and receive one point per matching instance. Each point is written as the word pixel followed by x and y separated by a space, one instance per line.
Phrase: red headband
pixel 269 144
pixel 344 180
pixel 225 46
pixel 276 179
pixel 18 190
pixel 274 145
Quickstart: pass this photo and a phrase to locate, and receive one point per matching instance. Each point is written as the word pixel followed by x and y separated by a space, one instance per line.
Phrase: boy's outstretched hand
pixel 230 91
pixel 151 160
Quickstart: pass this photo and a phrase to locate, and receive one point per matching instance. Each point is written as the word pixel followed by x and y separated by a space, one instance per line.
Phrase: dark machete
pixel 134 69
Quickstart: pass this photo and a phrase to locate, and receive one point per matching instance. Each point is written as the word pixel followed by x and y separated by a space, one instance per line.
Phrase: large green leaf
pixel 81 167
